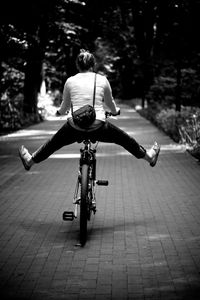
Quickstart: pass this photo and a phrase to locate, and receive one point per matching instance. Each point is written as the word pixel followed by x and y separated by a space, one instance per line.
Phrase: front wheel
pixel 84 203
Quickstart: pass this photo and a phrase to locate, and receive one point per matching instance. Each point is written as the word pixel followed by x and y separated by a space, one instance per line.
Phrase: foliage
pixel 164 88
pixel 12 81
pixel 12 116
pixel 167 120
pixel 140 45
pixel 182 127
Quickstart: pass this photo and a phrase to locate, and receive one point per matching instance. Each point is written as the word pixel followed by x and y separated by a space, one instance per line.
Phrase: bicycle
pixel 85 190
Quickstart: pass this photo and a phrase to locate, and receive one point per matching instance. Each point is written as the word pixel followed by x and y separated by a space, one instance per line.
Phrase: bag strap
pixel 95 79
pixel 94 92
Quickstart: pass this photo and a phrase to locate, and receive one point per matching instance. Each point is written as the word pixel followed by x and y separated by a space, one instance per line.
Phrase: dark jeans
pixel 107 132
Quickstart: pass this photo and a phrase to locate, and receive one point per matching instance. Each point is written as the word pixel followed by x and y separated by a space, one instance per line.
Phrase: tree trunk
pixel 178 86
pixel 34 68
pixel 33 78
pixel 143 21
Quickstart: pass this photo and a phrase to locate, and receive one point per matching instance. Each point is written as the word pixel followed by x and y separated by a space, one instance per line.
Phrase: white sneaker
pixel 155 150
pixel 25 157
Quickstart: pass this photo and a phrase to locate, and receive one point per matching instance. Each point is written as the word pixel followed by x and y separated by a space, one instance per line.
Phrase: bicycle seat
pixel 96 125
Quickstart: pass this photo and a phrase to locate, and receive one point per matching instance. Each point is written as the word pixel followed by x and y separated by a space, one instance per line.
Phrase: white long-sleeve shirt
pixel 78 90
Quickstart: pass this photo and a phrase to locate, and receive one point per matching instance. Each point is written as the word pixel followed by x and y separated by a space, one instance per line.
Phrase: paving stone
pixel 143 242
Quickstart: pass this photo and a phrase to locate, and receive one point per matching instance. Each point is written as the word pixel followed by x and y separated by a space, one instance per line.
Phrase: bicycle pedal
pixel 102 182
pixel 68 216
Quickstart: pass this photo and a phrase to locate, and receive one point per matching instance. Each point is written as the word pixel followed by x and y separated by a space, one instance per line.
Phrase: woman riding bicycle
pixel 78 91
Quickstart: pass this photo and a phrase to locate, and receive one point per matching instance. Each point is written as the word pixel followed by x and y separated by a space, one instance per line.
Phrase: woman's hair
pixel 85 60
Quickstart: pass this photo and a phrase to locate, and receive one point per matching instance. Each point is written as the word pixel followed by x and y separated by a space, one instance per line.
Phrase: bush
pixel 167 120
pixel 182 127
pixel 170 120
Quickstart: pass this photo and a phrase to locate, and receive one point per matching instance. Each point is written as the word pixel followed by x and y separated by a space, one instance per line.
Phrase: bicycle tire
pixel 84 203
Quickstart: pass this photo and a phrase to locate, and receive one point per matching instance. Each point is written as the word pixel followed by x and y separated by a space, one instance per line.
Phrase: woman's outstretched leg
pixel 64 136
pixel 113 134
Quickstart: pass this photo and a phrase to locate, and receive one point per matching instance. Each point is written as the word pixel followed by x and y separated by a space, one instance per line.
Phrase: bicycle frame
pixel 87 157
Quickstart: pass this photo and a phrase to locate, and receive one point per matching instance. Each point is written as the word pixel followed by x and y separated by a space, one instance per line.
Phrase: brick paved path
pixel 144 241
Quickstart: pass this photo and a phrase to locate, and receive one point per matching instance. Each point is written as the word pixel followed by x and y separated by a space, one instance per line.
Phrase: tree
pixel 176 40
pixel 37 22
pixel 131 39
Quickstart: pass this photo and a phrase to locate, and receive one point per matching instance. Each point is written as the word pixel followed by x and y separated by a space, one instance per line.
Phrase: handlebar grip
pixel 107 114
pixel 58 114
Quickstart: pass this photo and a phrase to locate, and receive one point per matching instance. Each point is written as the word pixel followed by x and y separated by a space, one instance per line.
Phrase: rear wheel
pixel 84 204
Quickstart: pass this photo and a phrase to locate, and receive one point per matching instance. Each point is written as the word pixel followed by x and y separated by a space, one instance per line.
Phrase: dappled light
pixel 138 130
pixel 28 133
pixel 164 149
pixel 173 148
pixel 144 239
